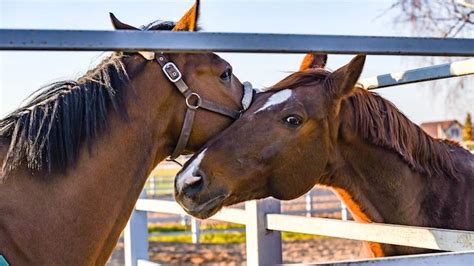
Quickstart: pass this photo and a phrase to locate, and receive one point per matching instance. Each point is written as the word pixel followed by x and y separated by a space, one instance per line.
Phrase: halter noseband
pixel 195 101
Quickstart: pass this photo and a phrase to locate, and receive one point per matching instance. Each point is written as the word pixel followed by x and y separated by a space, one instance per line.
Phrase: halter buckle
pixel 198 101
pixel 171 72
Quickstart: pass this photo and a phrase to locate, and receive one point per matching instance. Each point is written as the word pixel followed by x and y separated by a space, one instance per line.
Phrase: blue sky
pixel 23 72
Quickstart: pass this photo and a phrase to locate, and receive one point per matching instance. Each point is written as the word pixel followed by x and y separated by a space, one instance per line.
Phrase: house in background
pixel 449 129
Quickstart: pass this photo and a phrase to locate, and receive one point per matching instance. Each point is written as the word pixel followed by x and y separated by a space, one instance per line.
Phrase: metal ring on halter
pixel 198 103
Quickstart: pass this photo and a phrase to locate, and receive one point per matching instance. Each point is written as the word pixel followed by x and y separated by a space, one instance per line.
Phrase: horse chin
pixel 285 195
pixel 206 209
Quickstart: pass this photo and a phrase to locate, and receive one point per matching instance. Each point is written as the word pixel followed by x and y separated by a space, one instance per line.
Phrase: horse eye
pixel 226 75
pixel 293 121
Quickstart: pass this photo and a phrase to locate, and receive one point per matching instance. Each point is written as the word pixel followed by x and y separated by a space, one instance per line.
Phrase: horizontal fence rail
pixel 455 69
pixel 126 40
pixel 263 222
pixel 451 258
pixel 165 206
pixel 421 237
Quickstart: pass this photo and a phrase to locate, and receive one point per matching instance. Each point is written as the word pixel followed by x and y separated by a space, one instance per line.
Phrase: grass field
pixel 215 237
pixel 161 181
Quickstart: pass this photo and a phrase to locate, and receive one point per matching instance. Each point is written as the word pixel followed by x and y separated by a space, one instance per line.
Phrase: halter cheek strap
pixel 194 101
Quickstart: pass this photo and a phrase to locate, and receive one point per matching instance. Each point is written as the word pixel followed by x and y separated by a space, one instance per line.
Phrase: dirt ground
pixel 305 251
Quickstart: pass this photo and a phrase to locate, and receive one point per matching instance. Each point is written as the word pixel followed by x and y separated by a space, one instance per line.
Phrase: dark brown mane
pixel 381 123
pixel 301 78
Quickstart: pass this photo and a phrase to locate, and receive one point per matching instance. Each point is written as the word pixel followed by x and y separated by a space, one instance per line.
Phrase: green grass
pixel 179 228
pixel 215 238
pixel 206 238
pixel 164 183
pixel 167 228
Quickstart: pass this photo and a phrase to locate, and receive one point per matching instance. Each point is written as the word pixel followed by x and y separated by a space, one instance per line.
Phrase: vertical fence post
pixel 309 203
pixel 263 246
pixel 195 231
pixel 152 186
pixel 343 211
pixel 184 219
pixel 136 237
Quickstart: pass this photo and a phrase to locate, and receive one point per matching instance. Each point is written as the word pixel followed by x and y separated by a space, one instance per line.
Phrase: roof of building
pixel 432 127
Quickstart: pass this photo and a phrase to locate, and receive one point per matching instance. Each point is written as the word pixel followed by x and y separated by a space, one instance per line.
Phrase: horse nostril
pixel 193 186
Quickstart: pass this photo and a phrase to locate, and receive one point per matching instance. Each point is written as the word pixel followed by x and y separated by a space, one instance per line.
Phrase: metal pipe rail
pixel 127 40
pixel 455 69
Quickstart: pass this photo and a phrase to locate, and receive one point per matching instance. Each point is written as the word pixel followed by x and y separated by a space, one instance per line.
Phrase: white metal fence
pixel 262 219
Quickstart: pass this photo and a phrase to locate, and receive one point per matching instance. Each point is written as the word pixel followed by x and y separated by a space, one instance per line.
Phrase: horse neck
pixel 377 186
pixel 374 182
pixel 95 199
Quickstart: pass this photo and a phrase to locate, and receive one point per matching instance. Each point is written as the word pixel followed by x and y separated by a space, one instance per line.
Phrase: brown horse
pixel 317 127
pixel 76 157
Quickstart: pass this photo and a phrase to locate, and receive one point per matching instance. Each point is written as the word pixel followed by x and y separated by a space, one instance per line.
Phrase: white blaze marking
pixel 187 176
pixel 276 99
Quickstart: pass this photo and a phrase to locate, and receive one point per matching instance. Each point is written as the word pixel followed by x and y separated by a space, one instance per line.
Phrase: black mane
pixel 159 25
pixel 47 132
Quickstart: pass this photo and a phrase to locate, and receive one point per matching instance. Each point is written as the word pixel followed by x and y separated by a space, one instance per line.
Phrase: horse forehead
pixel 203 59
pixel 276 99
pixel 203 63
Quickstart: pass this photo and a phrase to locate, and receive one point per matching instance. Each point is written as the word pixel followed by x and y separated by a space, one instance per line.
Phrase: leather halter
pixel 194 101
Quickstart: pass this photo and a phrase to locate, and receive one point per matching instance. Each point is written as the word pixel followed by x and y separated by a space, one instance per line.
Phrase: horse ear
pixel 119 25
pixel 313 60
pixel 189 21
pixel 343 80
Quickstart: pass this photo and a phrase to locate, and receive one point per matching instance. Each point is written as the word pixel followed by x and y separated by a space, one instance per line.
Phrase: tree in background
pixel 467 130
pixel 442 18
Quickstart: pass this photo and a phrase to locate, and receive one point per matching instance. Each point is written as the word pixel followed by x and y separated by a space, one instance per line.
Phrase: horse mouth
pixel 206 209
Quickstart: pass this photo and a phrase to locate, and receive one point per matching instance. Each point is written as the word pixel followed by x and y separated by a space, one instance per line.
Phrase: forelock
pixel 159 25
